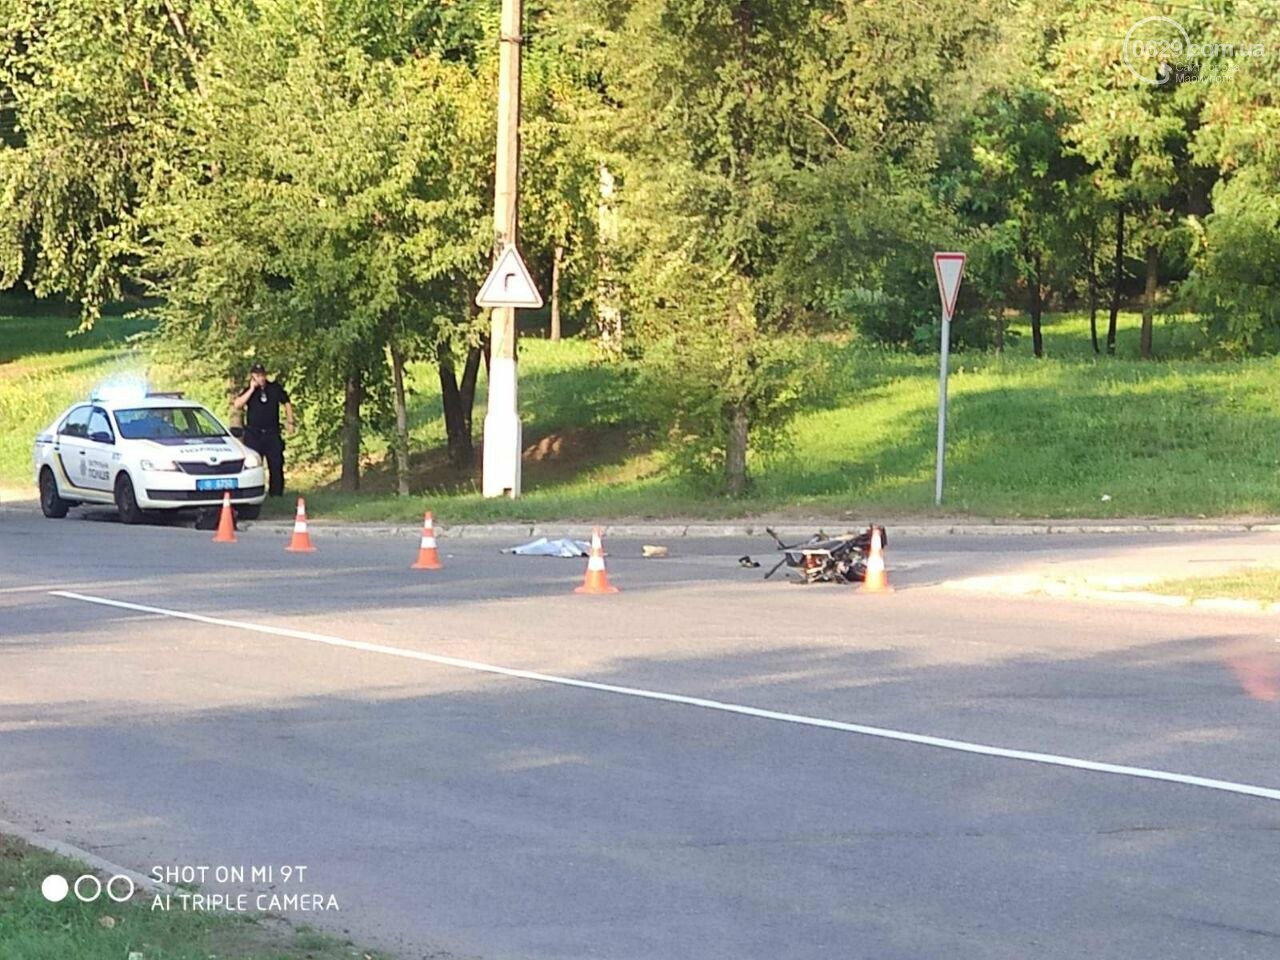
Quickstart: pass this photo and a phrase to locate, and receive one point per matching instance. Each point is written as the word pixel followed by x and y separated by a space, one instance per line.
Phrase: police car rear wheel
pixel 249 511
pixel 51 503
pixel 126 502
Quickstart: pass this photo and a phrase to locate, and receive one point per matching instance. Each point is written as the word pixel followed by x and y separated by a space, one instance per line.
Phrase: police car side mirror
pixel 101 436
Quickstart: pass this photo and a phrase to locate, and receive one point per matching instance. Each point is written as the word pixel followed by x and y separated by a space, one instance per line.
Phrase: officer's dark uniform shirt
pixel 263 409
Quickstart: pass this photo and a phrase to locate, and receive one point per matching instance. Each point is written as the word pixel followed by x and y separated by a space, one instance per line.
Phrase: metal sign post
pixel 949 268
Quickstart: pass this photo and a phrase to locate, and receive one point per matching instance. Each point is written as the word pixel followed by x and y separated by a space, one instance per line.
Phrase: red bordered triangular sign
pixel 950 270
pixel 509 284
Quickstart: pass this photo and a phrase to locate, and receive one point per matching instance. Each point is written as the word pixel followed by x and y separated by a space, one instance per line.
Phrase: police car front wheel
pixel 126 502
pixel 51 503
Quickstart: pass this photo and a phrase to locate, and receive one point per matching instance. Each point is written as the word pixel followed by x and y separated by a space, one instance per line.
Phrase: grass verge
pixel 32 928
pixel 1254 583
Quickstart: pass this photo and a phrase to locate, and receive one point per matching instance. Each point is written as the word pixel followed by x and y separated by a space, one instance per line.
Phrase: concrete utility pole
pixel 503 434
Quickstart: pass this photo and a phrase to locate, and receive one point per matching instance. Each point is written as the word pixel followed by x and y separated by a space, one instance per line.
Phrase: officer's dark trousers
pixel 270 444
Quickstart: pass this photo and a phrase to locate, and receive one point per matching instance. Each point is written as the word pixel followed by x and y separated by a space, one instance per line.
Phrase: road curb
pixel 786 529
pixel 92 860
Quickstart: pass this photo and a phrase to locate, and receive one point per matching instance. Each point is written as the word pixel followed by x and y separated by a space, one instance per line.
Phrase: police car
pixel 144 451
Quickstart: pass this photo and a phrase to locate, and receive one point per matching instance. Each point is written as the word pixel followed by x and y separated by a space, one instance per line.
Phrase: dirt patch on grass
pixel 567 454
pixel 553 458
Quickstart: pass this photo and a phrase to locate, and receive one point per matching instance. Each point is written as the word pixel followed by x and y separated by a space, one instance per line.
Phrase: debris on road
pixel 650 552
pixel 542 547
pixel 824 559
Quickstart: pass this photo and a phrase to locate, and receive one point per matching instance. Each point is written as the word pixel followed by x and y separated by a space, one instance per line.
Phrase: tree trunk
pixel 1037 307
pixel 353 396
pixel 557 264
pixel 1093 287
pixel 459 404
pixel 402 421
pixel 459 400
pixel 1000 328
pixel 735 465
pixel 608 313
pixel 451 400
pixel 234 389
pixel 235 383
pixel 1117 280
pixel 467 395
pixel 1149 301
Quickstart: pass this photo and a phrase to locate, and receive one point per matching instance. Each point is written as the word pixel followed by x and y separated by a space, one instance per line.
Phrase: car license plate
pixel 219 483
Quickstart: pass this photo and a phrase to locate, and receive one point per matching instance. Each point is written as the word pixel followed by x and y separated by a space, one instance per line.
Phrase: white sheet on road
pixel 542 547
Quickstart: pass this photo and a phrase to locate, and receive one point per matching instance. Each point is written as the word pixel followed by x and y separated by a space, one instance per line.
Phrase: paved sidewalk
pixel 1125 574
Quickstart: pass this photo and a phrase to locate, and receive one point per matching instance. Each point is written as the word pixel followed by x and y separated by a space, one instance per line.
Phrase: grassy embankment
pixel 1069 436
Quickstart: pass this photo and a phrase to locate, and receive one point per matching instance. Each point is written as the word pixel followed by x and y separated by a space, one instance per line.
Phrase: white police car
pixel 144 451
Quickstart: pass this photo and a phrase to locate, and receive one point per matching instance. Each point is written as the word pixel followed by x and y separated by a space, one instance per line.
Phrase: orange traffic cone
pixel 877 580
pixel 596 580
pixel 301 542
pixel 428 558
pixel 227 522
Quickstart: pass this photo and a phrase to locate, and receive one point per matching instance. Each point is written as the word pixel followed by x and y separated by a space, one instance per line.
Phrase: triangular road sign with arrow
pixel 509 284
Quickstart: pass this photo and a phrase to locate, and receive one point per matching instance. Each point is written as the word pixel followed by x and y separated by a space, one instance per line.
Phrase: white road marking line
pixel 48 587
pixel 963 746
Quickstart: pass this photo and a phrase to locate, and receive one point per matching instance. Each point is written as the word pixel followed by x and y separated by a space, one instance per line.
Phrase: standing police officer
pixel 261 402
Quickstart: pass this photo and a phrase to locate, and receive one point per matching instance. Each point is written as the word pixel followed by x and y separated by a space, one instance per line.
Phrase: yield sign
pixel 509 284
pixel 950 268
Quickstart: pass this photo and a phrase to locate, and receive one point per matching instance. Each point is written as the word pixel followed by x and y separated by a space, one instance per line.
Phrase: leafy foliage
pixel 95 93
pixel 307 182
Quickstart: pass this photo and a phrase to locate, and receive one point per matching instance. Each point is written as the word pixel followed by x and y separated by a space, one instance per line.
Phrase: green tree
pixel 709 106
pixel 884 92
pixel 1236 279
pixel 333 207
pixel 565 130
pixel 1024 185
pixel 1137 135
pixel 96 95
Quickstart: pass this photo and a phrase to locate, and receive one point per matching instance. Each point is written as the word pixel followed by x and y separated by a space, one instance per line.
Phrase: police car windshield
pixel 166 423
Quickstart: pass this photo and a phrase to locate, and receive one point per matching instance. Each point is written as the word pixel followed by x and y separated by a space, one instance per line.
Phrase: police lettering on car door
pixel 96 462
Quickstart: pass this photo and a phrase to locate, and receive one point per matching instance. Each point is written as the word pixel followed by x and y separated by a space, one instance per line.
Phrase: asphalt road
pixel 454 812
